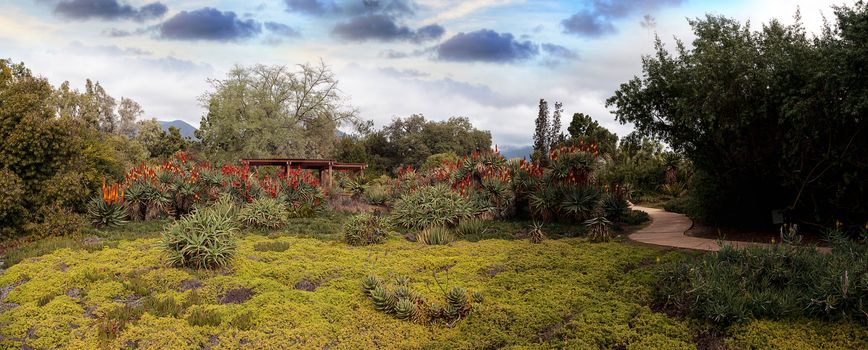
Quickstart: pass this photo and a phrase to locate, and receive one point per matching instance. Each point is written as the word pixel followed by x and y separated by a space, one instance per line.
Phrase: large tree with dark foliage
pixel 772 119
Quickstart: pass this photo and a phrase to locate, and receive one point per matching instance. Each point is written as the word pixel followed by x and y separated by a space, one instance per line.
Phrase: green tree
pixel 271 111
pixel 541 134
pixel 583 127
pixel 770 118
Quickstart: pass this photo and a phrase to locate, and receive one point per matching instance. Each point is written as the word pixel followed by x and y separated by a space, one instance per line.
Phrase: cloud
pixel 394 8
pixel 281 29
pixel 381 27
pixel 596 20
pixel 559 51
pixel 485 45
pixel 108 10
pixel 208 24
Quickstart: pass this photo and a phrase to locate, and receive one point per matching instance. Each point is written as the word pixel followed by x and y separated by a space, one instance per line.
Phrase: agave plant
pixel 405 309
pixel 436 235
pixel 536 234
pixel 204 239
pixel 580 202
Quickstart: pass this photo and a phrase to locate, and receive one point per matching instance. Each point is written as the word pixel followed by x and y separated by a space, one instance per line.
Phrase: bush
pixel 635 217
pixel 203 239
pixel 614 206
pixel 11 200
pixel 57 221
pixel 435 235
pixel 263 213
pixel 681 205
pixel 734 286
pixel 376 195
pixel 365 229
pixel 471 227
pixel 431 206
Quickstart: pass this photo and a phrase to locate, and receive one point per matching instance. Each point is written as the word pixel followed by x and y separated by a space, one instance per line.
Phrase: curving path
pixel 667 229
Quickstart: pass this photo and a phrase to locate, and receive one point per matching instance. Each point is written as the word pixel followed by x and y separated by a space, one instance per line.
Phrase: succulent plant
pixel 384 300
pixel 405 309
pixel 536 233
pixel 402 280
pixel 434 236
pixel 370 283
pixel 457 298
pixel 403 292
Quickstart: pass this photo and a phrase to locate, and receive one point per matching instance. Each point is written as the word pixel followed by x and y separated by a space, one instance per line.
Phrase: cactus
pixel 384 300
pixel 405 309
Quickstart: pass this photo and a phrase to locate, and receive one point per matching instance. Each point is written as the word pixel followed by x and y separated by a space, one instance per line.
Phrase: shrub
pixel 598 229
pixel 365 229
pixel 471 227
pixel 579 202
pixel 203 239
pixel 263 213
pixel 431 206
pixel 614 206
pixel 733 286
pixel 536 234
pixel 435 235
pixel 635 217
pixel 11 199
pixel 57 221
pixel 376 195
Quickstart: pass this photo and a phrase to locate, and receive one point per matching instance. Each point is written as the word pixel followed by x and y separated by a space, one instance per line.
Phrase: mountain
pixel 187 130
pixel 515 151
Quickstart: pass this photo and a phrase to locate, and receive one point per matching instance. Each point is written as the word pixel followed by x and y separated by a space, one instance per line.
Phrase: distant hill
pixel 516 151
pixel 187 130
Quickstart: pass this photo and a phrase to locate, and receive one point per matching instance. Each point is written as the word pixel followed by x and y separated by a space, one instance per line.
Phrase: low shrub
pixel 681 205
pixel 57 221
pixel 203 239
pixel 272 246
pixel 376 195
pixel 435 235
pixel 635 217
pixel 471 227
pixel 263 212
pixel 431 206
pixel 737 285
pixel 365 229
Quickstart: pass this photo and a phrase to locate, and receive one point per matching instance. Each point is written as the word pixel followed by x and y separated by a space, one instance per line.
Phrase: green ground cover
pixel 302 289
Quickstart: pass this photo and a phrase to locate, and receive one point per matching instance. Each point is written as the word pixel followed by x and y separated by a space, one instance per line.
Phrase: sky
pixel 488 60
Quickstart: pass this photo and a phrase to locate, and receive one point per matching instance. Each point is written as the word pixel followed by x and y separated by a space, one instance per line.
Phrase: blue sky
pixel 489 60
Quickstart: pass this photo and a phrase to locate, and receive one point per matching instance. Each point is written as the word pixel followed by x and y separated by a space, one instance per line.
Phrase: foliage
pixel 598 229
pixel 255 110
pixel 405 304
pixel 365 229
pixel 108 209
pixel 595 296
pixel 536 234
pixel 726 101
pixel 471 227
pixel 203 239
pixel 635 217
pixel 614 203
pixel 263 213
pixel 683 205
pixel 779 281
pixel 434 235
pixel 11 202
pixel 435 160
pixel 159 143
pixel 585 129
pixel 273 246
pixel 376 195
pixel 57 221
pixel 431 206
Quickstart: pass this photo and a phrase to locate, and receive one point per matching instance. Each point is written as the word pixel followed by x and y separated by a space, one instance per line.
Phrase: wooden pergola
pixel 324 166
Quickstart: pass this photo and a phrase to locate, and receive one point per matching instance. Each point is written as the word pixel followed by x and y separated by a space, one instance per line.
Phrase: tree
pixel 129 111
pixel 159 143
pixel 541 134
pixel 555 136
pixel 270 111
pixel 771 119
pixel 583 127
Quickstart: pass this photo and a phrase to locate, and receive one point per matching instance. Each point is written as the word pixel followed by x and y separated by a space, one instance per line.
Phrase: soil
pixel 750 235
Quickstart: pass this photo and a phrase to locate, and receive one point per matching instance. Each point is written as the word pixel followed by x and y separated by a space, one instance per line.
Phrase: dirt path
pixel 667 229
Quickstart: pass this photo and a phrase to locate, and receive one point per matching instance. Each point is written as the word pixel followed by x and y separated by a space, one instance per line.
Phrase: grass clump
pixel 204 317
pixel 263 212
pixel 203 239
pixel 365 229
pixel 431 206
pixel 781 281
pixel 436 235
pixel 472 227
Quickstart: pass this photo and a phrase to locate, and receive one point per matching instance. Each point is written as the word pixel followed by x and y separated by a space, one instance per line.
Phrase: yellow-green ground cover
pixel 564 293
